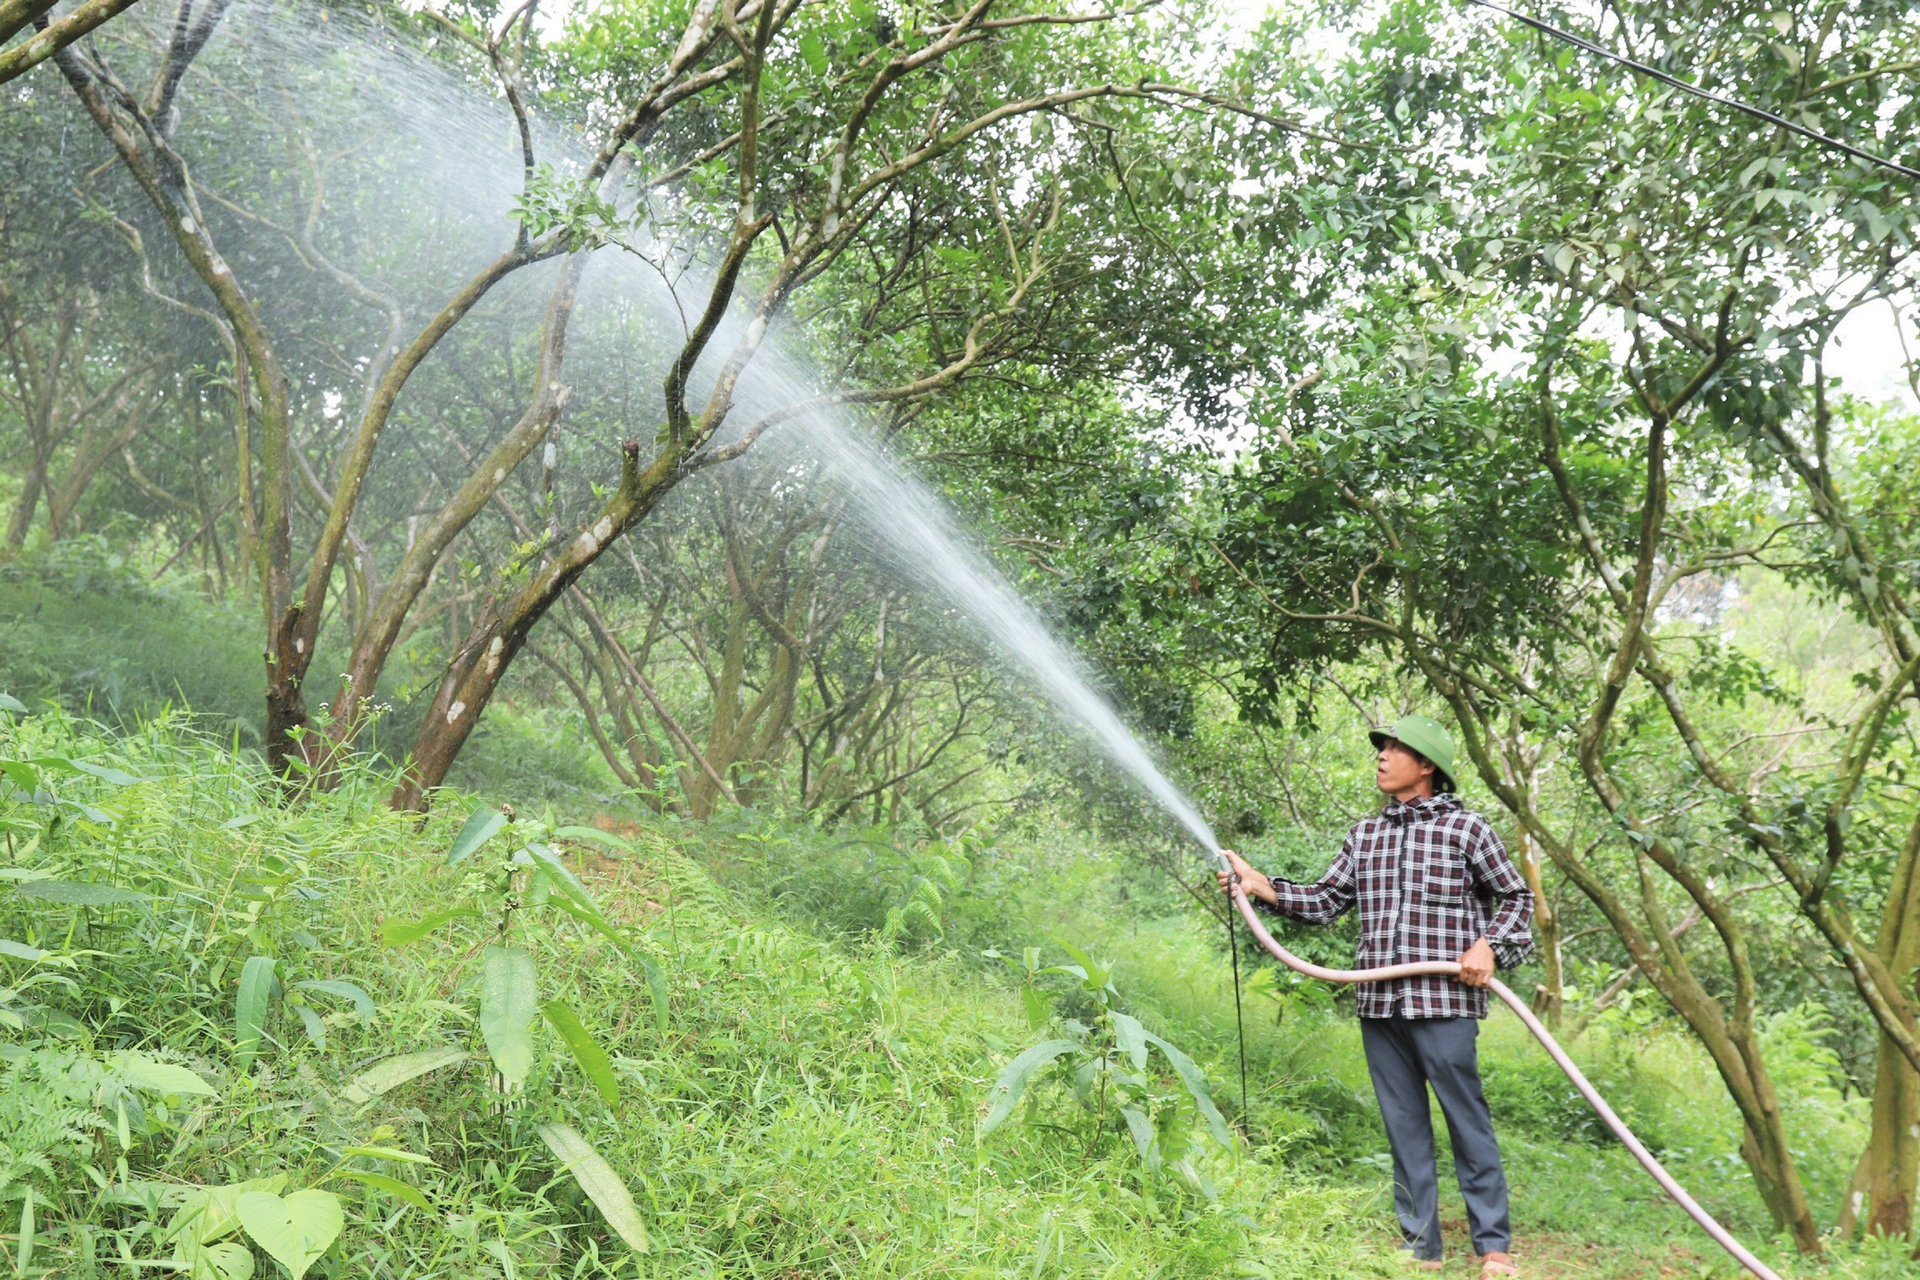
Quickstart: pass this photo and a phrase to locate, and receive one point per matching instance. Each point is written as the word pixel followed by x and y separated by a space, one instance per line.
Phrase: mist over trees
pixel 1367 358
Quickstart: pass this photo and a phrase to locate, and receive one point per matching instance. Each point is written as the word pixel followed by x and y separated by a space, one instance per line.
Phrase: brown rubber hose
pixel 1451 969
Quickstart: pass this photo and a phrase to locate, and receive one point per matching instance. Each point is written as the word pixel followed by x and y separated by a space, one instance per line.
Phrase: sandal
pixel 1495 1265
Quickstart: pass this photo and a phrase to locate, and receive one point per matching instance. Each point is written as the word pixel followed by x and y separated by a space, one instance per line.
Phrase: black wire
pixel 1239 1025
pixel 1581 42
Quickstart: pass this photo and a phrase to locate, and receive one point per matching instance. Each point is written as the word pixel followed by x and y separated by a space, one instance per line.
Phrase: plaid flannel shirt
pixel 1431 879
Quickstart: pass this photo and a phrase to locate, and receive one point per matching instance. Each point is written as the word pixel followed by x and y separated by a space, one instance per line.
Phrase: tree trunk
pixel 160 173
pixel 387 615
pixel 502 626
pixel 1893 1150
pixel 89 455
pixel 30 486
pixel 1549 998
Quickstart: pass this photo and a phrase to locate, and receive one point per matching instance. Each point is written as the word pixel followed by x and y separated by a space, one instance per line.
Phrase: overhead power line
pixel 1687 86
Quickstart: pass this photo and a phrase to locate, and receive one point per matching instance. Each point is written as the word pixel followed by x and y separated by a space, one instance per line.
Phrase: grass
pixel 809 1108
pixel 83 629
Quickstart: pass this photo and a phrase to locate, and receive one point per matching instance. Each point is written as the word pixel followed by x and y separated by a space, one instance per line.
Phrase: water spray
pixel 911 527
pixel 1451 969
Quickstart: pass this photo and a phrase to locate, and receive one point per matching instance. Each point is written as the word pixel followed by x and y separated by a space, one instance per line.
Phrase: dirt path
pixel 1545 1257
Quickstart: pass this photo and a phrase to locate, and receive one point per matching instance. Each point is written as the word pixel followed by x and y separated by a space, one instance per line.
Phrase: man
pixel 1433 882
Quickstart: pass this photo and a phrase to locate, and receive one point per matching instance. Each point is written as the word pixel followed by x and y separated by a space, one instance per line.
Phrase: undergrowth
pixel 200 1006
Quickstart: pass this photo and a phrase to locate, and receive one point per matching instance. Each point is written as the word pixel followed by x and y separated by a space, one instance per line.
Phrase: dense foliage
pixel 531 393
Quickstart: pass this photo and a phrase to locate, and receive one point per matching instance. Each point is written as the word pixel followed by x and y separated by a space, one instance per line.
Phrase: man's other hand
pixel 1256 885
pixel 1476 966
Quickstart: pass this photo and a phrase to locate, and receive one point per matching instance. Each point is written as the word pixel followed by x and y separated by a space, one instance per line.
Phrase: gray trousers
pixel 1404 1057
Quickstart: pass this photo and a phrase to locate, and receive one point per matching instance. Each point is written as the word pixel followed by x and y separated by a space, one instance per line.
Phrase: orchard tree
pixel 759 155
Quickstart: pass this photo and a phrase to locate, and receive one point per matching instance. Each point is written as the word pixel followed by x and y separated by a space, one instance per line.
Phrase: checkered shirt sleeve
pixel 1430 878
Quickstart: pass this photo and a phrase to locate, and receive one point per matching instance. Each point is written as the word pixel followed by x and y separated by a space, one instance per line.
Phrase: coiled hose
pixel 1451 969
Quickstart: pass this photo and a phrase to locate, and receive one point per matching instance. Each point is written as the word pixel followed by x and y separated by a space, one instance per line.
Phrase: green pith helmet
pixel 1424 735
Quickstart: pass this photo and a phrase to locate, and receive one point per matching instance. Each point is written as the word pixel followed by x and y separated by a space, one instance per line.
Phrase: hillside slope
pixel 801 1108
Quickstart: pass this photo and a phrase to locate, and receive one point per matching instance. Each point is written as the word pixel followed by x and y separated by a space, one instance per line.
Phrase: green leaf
pixel 813 50
pixel 361 1001
pixel 208 1213
pixel 587 1052
pixel 564 880
pixel 1196 1082
pixel 20 950
pixel 508 1001
pixel 1097 975
pixel 1141 1128
pixel 1131 1039
pixel 13 704
pixel 392 1186
pixel 657 987
pixel 314 1025
pixel 106 773
pixel 597 1178
pixel 294 1230
pixel 388 1153
pixel 138 1071
pixel 1039 1006
pixel 228 1260
pixel 80 893
pixel 594 835
pixel 1013 1079
pixel 250 1008
pixel 592 918
pixel 390 1073
pixel 482 825
pixel 398 933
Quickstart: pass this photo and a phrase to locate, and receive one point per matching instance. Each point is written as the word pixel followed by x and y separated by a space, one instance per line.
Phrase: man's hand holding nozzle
pixel 1256 885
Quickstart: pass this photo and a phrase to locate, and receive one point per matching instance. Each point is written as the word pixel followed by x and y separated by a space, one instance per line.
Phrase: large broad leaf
pixel 250 1008
pixel 1006 1091
pixel 10 703
pixel 597 1178
pixel 587 1052
pixel 80 893
pixel 392 1186
pixel 20 951
pixel 481 826
pixel 294 1230
pixel 228 1260
pixel 398 933
pixel 138 1071
pixel 1131 1039
pixel 508 1001
pixel 1196 1082
pixel 391 1073
pixel 204 1217
pixel 361 1001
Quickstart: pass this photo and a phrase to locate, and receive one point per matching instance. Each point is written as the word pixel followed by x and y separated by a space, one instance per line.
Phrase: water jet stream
pixel 909 522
